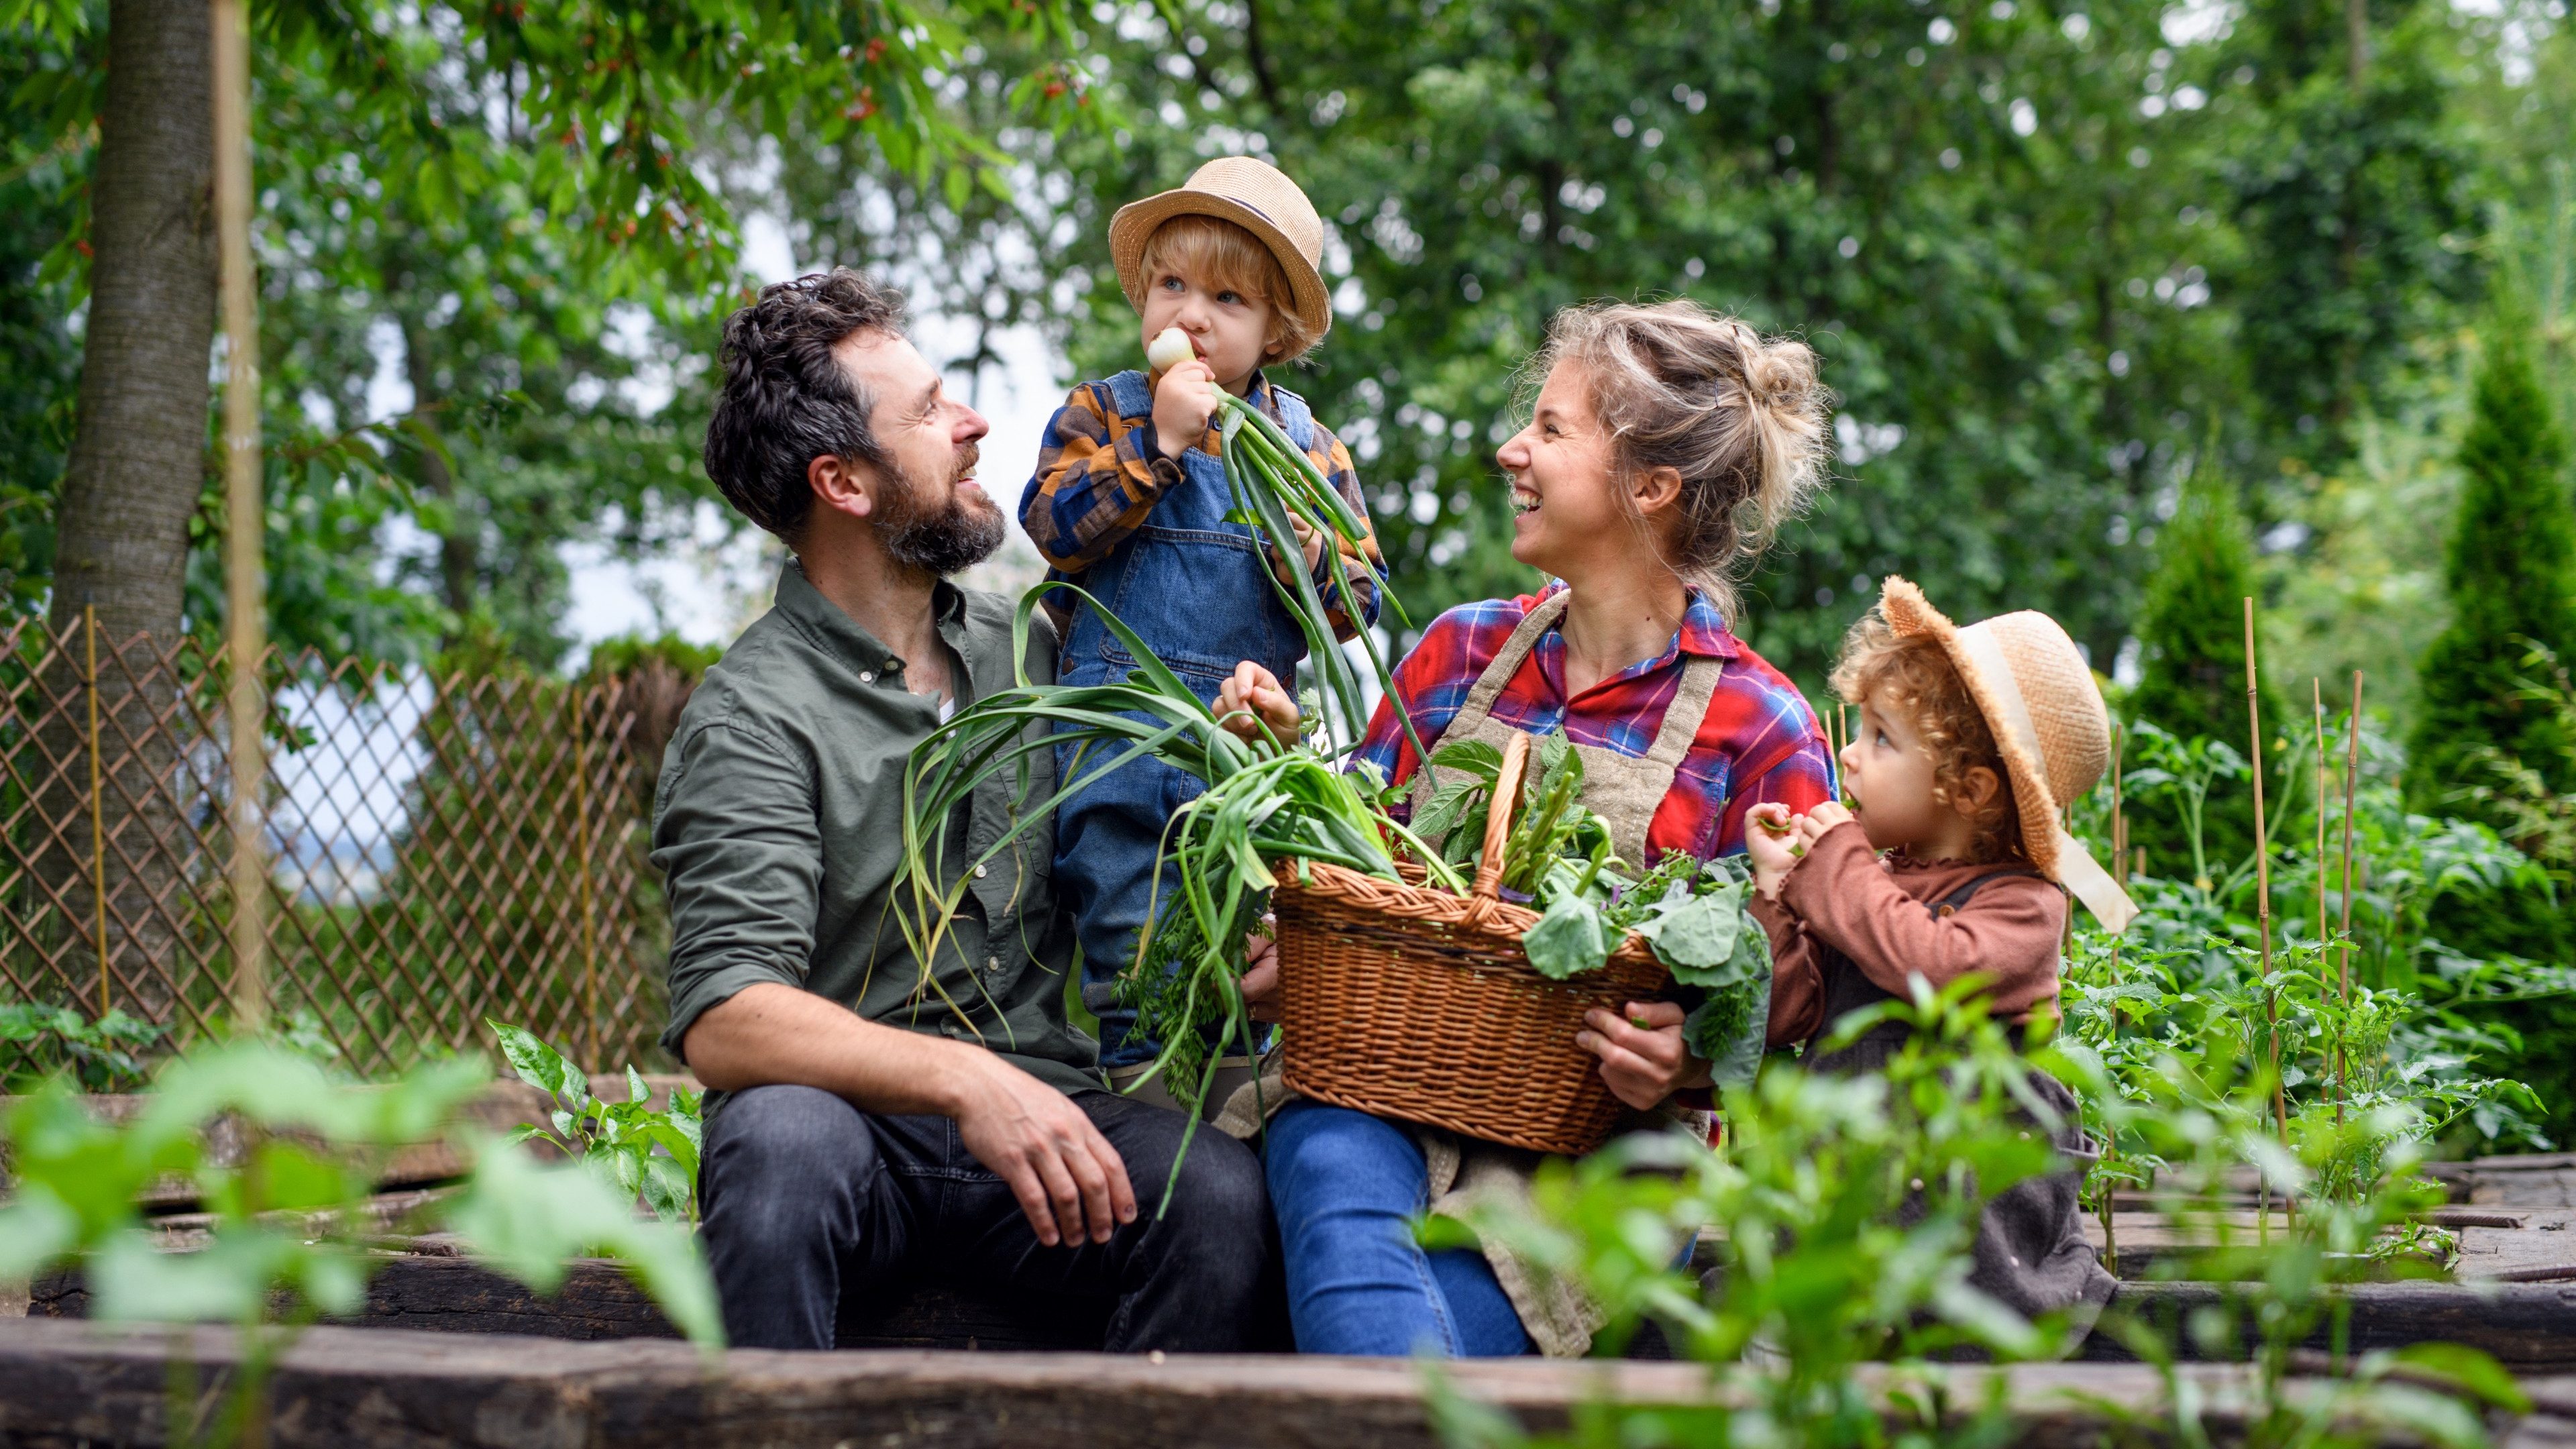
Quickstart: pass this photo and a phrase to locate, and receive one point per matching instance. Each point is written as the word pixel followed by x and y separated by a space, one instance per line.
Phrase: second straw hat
pixel 1254 195
pixel 2039 699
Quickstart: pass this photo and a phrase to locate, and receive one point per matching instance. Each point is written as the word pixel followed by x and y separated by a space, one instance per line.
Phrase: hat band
pixel 2076 868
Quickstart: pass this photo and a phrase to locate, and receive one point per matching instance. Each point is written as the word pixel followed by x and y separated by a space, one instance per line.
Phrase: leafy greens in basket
pixel 1694 917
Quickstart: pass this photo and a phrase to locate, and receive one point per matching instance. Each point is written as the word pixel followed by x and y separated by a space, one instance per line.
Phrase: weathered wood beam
pixel 62 1383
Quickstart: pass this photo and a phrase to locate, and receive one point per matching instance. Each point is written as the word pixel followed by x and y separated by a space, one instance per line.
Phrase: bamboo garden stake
pixel 2317 700
pixel 245 588
pixel 2351 770
pixel 2263 880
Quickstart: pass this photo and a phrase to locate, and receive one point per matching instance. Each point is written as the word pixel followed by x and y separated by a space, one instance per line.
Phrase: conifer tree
pixel 2511 578
pixel 2191 632
pixel 2192 628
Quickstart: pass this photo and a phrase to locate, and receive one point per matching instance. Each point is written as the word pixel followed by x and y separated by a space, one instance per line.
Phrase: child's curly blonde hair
pixel 1919 680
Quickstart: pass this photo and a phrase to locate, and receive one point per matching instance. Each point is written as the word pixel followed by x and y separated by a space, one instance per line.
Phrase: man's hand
pixel 1770 839
pixel 1261 977
pixel 1642 1057
pixel 1070 1182
pixel 1184 401
pixel 1254 697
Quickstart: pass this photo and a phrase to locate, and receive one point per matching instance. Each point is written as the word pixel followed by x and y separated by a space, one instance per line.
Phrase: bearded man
pixel 875 1119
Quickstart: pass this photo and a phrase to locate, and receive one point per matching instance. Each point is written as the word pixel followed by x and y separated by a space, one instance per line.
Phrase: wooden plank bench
pixel 64 1383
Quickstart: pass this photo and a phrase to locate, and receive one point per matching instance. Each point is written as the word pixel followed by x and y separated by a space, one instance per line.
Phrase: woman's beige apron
pixel 1623 790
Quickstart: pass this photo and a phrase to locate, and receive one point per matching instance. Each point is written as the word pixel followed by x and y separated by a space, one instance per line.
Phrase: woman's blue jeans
pixel 1346 1187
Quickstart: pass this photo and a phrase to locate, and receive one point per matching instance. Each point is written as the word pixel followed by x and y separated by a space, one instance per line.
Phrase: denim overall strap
pixel 1295 418
pixel 1192 582
pixel 1132 392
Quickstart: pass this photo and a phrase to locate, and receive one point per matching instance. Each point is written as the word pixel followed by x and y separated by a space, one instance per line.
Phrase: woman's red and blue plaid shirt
pixel 1759 742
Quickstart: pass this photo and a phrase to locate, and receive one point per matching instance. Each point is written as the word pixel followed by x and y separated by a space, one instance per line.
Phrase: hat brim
pixel 1911 615
pixel 1135 222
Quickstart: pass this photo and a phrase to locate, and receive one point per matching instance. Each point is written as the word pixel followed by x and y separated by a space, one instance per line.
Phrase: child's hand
pixel 1254 697
pixel 1309 541
pixel 1812 826
pixel 1184 401
pixel 1770 838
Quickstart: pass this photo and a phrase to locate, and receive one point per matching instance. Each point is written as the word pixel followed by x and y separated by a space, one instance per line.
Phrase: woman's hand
pixel 1254 697
pixel 1184 401
pixel 1770 838
pixel 1642 1057
pixel 1261 977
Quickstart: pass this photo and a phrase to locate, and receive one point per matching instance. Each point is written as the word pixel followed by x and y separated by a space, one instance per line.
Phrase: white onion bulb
pixel 1169 349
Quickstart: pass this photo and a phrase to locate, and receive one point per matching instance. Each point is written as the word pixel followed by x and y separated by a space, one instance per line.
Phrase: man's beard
pixel 953 538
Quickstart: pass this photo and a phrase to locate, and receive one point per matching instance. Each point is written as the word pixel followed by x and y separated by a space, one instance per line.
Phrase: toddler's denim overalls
pixel 1196 587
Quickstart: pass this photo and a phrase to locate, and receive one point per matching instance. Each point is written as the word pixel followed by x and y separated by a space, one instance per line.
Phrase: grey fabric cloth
pixel 778 827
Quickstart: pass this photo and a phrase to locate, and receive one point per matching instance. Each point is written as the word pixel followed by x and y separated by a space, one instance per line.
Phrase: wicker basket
pixel 1414 1003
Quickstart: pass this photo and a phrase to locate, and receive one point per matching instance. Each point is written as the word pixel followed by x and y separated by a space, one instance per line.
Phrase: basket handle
pixel 1498 815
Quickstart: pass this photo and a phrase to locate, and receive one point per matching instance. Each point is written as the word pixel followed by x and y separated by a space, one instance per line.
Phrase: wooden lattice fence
pixel 447 847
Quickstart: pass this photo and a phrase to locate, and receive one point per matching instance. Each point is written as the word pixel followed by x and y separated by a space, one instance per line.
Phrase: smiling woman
pixel 1665 445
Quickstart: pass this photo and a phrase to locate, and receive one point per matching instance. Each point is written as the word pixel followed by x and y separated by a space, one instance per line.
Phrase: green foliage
pixel 2351 188
pixel 2534 804
pixel 643 1153
pixel 1843 1210
pixel 2191 682
pixel 508 223
pixel 2511 576
pixel 105 1055
pixel 2005 263
pixel 2191 631
pixel 288 1233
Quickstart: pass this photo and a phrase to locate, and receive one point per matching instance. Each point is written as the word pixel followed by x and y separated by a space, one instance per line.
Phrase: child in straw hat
pixel 1130 502
pixel 1970 741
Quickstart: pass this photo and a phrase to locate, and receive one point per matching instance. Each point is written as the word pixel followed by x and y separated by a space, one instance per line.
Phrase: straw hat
pixel 1254 195
pixel 2039 699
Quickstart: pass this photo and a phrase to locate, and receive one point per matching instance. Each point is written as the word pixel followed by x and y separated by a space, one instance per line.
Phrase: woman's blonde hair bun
pixel 1741 417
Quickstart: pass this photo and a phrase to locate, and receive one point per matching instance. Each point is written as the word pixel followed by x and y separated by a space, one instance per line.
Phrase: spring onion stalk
pixel 1274 482
pixel 1268 804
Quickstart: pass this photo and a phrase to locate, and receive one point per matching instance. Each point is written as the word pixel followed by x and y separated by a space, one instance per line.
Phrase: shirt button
pixel 982 871
pixel 893 664
pixel 866 678
pixel 992 963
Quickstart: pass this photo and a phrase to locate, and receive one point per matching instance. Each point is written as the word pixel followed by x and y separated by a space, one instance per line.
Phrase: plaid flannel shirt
pixel 1099 476
pixel 1758 743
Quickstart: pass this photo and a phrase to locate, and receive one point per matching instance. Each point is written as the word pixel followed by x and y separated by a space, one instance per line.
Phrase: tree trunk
pixel 138 459
pixel 136 471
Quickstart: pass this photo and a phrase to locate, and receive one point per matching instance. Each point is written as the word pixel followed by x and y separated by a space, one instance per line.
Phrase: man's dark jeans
pixel 809 1202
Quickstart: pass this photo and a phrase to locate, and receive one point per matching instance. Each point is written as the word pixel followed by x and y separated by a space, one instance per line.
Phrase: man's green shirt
pixel 778 827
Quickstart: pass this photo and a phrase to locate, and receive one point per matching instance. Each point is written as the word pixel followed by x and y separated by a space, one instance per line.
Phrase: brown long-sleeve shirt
pixel 1841 894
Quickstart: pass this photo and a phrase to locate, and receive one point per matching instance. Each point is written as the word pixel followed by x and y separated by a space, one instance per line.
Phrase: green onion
pixel 1267 801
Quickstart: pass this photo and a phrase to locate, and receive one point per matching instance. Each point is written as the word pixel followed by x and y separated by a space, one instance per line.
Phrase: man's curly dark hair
pixel 787 400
